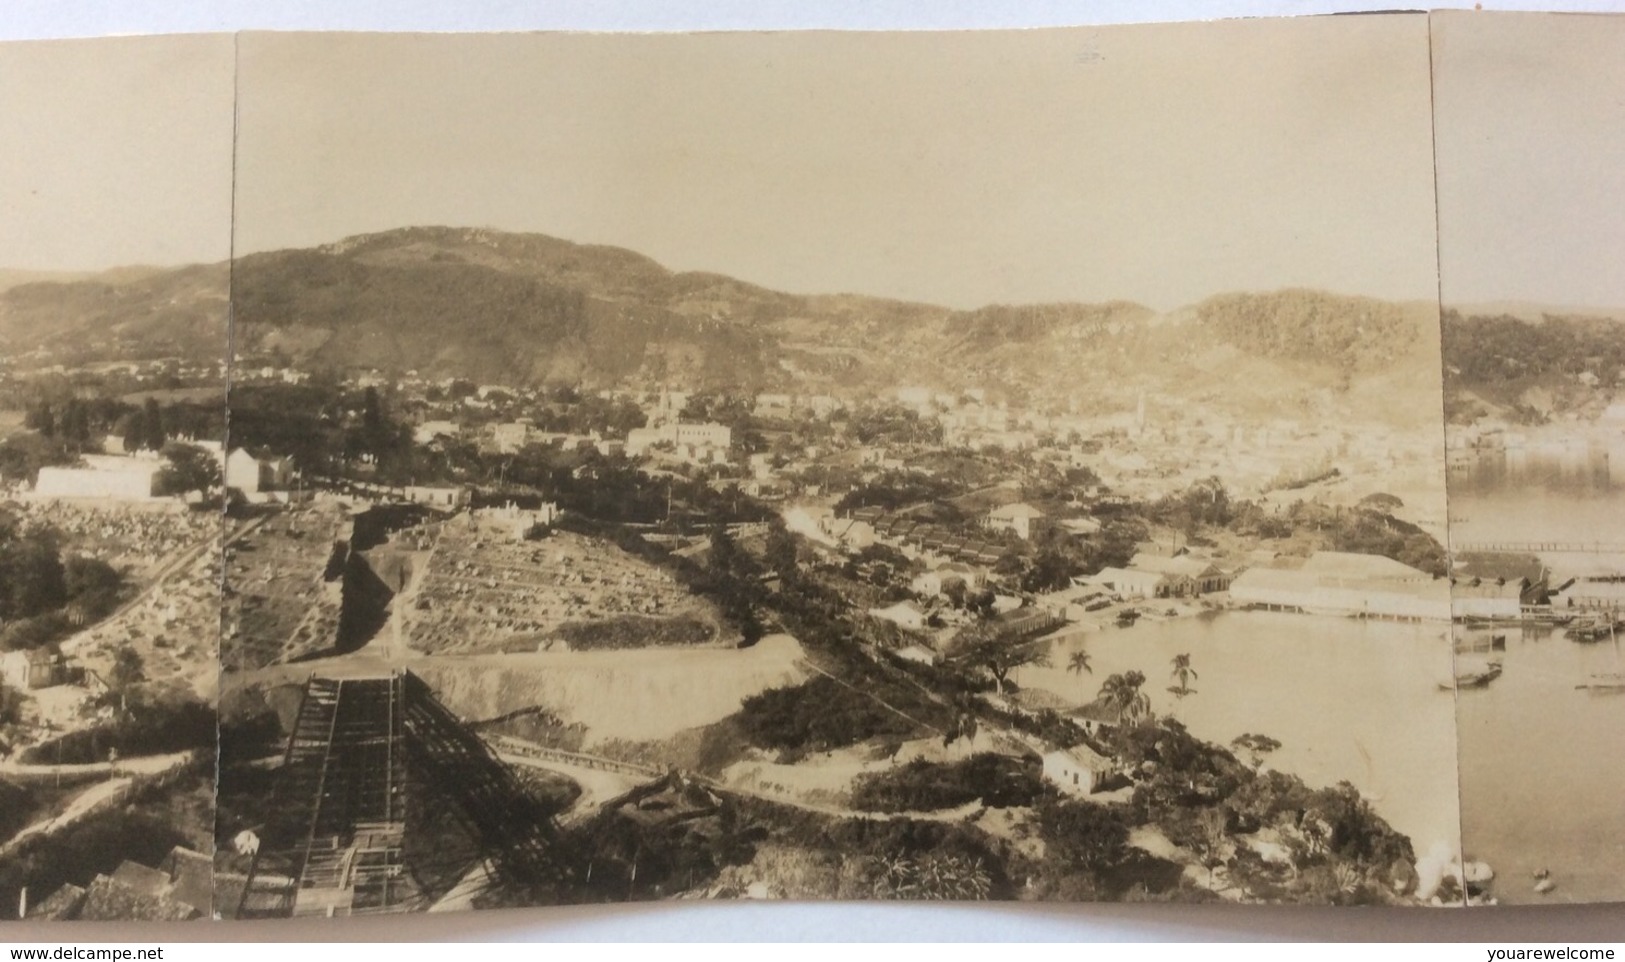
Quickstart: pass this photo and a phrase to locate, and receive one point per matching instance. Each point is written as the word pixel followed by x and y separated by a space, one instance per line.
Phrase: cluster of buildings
pixel 1150 575
pixel 706 443
pixel 137 476
pixel 788 406
pixel 932 543
pixel 1162 444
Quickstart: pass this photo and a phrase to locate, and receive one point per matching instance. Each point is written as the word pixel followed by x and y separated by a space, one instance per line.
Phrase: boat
pixel 1471 673
pixel 1593 629
pixel 1605 683
pixel 1608 682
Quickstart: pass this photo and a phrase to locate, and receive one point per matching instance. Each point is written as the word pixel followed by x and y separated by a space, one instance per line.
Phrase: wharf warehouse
pixel 1498 586
pixel 1354 585
pixel 1486 599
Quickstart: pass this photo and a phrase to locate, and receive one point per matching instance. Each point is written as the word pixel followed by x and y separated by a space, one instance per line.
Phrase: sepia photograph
pixel 115 182
pixel 1000 465
pixel 1147 463
pixel 1531 226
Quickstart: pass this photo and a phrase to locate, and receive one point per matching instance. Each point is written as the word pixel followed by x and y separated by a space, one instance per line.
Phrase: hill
pixel 528 308
pixel 1530 370
pixel 1536 311
pixel 124 313
pixel 10 278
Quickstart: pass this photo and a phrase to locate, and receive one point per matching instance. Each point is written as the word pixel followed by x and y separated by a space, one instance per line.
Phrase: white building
pixel 1486 599
pixel 1130 583
pixel 852 535
pixel 33 669
pixel 104 476
pixel 705 440
pixel 1021 518
pixel 1183 574
pixel 1340 585
pixel 933 582
pixel 248 474
pixel 519 523
pixel 511 437
pixel 823 405
pixel 1374 567
pixel 429 430
pixel 1078 770
pixel 439 497
pixel 774 406
pixel 905 614
pixel 919 654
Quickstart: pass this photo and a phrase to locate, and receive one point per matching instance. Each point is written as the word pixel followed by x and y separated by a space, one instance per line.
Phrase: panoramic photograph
pixel 1165 463
pixel 114 285
pixel 774 466
pixel 1531 226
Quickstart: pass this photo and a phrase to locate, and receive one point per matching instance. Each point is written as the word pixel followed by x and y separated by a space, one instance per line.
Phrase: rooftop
pixel 1343 564
pixel 1016 511
pixel 1084 757
pixel 1183 565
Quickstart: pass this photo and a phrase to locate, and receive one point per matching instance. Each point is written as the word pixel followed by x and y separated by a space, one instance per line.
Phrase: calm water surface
pixel 1543 764
pixel 1542 772
pixel 1349 700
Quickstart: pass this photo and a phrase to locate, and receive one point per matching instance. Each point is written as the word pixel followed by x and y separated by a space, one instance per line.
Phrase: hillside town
pixel 844 595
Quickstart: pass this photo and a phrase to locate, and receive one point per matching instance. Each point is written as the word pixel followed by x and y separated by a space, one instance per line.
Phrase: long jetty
pixel 1538 547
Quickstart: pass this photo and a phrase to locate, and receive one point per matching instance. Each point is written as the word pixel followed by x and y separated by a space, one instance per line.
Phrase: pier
pixel 1539 547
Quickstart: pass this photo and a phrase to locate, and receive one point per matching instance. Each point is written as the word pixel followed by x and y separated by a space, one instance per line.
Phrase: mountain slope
pixel 527 308
pixel 135 314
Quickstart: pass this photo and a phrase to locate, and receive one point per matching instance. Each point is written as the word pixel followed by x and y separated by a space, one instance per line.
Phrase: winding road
pixel 93 798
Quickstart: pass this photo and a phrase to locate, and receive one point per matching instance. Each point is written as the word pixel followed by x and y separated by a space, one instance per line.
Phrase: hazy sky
pixel 1158 163
pixel 1531 154
pixel 115 152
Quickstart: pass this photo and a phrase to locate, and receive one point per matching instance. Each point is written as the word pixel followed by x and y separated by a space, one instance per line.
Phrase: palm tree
pixel 1079 663
pixel 1183 673
pixel 1122 694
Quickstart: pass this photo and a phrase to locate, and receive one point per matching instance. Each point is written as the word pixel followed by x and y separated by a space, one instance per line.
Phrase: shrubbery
pixel 16 803
pixel 922 786
pixel 817 715
pixel 145 727
pixel 1082 836
pixel 44 596
pixel 81 851
pixel 634 631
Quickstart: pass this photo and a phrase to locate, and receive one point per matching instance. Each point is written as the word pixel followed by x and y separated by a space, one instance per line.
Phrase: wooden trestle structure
pixel 363 752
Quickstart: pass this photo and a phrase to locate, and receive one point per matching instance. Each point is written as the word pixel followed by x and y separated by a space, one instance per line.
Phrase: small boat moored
pixel 1472 673
pixel 1604 683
